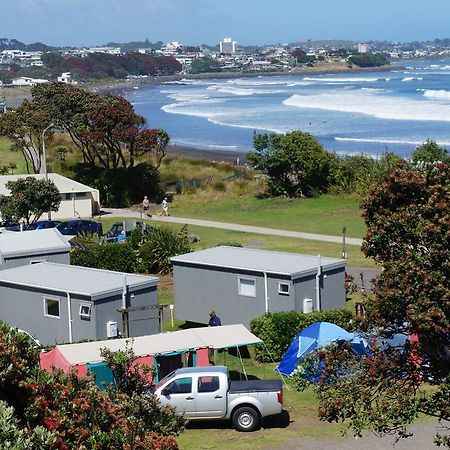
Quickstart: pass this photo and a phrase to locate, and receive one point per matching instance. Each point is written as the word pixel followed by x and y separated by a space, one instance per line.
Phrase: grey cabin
pixel 243 283
pixel 30 247
pixel 59 303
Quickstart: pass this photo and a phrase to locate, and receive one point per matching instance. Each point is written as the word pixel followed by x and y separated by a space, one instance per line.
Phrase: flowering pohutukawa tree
pixel 409 237
pixel 105 128
pixel 59 411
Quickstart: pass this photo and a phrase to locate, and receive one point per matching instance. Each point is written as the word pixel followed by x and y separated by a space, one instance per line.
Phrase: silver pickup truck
pixel 206 393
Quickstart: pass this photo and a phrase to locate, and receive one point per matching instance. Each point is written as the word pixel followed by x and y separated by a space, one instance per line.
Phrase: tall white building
pixel 227 45
pixel 363 48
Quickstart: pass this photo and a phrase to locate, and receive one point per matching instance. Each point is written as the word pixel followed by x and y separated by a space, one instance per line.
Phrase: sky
pixel 249 22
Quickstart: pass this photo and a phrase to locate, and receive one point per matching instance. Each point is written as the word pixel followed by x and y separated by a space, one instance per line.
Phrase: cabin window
pixel 284 288
pixel 247 287
pixel 208 384
pixel 85 311
pixel 51 307
pixel 80 194
pixel 181 386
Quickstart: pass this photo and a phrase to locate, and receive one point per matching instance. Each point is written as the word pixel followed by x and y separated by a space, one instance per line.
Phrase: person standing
pixel 165 207
pixel 145 205
pixel 214 321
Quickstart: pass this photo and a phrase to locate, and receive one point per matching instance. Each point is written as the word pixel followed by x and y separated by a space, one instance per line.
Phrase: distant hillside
pixel 135 45
pixel 14 44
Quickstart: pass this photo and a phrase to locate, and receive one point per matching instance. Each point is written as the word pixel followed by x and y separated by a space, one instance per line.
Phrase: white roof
pixel 94 283
pixel 36 242
pixel 64 185
pixel 253 260
pixel 176 341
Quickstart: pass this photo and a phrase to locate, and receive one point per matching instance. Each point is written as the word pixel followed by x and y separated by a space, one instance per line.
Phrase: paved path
pixel 422 439
pixel 233 226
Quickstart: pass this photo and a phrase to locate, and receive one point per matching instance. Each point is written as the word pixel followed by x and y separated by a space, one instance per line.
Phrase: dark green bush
pixel 123 186
pixel 158 245
pixel 277 330
pixel 118 257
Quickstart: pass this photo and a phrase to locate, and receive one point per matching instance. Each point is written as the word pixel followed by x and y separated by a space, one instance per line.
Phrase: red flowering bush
pixel 74 410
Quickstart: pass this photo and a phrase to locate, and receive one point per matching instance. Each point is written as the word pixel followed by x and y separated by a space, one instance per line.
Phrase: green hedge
pixel 118 257
pixel 277 330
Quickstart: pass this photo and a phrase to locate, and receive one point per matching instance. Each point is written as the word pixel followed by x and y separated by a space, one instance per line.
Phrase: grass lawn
pixel 7 156
pixel 327 214
pixel 210 237
pixel 301 420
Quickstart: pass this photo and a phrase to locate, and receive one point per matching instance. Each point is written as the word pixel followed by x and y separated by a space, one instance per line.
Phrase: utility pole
pixel 44 156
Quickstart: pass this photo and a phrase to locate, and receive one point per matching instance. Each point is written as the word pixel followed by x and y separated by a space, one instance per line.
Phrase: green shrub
pixel 158 245
pixel 118 257
pixel 277 330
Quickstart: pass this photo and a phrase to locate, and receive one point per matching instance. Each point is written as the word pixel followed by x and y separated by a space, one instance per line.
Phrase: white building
pixel 171 48
pixel 28 81
pixel 363 48
pixel 227 45
pixel 66 77
pixel 77 200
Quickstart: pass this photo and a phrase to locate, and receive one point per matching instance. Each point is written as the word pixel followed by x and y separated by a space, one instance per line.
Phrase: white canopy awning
pixel 176 341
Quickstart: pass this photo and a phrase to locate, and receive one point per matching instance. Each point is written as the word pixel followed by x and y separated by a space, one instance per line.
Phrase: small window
pixel 86 311
pixel 247 287
pixel 80 194
pixel 181 386
pixel 51 307
pixel 284 288
pixel 68 196
pixel 208 384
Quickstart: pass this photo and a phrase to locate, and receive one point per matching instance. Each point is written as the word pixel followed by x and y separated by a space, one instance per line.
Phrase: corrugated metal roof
pixel 254 260
pixel 36 242
pixel 86 281
pixel 65 185
pixel 176 341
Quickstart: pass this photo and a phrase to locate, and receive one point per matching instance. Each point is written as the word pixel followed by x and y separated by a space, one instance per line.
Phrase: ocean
pixel 369 112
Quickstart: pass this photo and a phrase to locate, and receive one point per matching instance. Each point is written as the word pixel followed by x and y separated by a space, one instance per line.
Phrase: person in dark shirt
pixel 214 321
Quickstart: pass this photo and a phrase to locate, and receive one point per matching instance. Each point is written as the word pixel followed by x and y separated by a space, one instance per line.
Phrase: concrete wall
pixel 76 205
pixel 60 258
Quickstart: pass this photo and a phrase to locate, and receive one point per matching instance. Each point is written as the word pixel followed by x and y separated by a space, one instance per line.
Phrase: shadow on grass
pixel 281 420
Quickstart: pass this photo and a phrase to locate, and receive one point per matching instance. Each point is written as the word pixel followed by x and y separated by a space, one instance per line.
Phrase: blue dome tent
pixel 319 334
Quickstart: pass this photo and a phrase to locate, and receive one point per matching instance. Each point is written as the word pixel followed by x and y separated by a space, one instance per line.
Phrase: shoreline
pixel 218 155
pixel 120 87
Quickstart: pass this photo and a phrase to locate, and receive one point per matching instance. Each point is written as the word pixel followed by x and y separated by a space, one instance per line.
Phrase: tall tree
pixel 295 163
pixel 409 236
pixel 105 128
pixel 29 199
pixel 24 128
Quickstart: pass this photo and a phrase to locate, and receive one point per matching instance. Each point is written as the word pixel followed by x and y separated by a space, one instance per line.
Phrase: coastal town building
pixel 59 303
pixel 363 48
pixel 32 247
pixel 77 199
pixel 227 46
pixel 243 283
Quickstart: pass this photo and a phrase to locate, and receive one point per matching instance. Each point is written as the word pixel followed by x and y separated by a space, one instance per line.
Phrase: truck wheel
pixel 246 419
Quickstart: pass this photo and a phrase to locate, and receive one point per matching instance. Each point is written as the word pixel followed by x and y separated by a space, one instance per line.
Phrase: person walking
pixel 146 206
pixel 165 207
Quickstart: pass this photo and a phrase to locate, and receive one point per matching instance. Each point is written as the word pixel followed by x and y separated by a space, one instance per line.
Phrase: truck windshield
pixel 165 380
